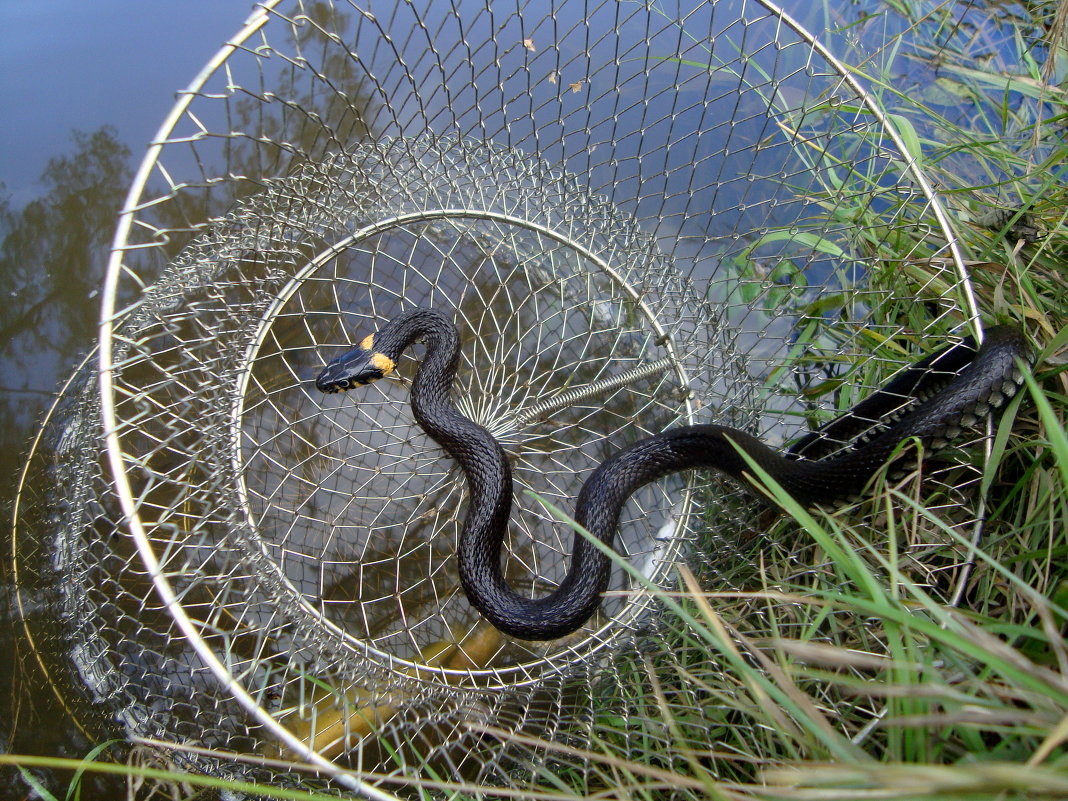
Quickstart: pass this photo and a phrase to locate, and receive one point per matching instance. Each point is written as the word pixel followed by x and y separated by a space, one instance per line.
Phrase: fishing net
pixel 639 215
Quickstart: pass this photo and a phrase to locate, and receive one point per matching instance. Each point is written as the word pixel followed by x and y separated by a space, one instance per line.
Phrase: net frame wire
pixel 109 316
pixel 112 315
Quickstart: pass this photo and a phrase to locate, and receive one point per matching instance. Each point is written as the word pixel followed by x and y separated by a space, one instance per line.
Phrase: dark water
pixel 84 87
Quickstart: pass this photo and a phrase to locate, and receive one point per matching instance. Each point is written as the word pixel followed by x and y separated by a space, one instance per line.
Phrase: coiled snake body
pixel 967 384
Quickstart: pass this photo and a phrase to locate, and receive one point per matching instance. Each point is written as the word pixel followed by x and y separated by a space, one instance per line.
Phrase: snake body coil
pixel 962 383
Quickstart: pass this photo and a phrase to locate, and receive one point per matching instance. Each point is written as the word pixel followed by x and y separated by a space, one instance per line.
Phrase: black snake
pixel 959 385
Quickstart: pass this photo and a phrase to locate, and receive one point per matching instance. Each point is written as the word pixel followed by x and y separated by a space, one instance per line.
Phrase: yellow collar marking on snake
pixel 380 361
pixel 383 362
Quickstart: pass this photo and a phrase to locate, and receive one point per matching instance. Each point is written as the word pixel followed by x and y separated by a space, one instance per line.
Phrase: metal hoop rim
pixel 111 315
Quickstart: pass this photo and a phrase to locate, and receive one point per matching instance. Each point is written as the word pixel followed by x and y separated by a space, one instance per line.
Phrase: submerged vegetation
pixel 848 678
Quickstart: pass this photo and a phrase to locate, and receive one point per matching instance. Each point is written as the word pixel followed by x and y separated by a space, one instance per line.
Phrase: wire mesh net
pixel 638 216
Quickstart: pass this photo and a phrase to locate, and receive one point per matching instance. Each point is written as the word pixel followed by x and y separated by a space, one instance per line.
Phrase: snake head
pixel 358 367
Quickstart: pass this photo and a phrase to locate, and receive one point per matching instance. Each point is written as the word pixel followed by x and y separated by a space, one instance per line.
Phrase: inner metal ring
pixel 553 338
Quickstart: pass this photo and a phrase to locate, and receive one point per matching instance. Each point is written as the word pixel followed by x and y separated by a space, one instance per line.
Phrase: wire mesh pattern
pixel 638 216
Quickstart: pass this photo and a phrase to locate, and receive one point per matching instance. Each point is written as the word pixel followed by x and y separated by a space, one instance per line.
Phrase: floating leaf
pixel 810 240
pixel 909 138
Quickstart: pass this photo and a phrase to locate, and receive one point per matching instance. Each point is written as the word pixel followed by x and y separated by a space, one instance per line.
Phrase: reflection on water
pixel 51 264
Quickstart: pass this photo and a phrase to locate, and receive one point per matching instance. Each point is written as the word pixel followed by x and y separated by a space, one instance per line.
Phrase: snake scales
pixel 959 385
